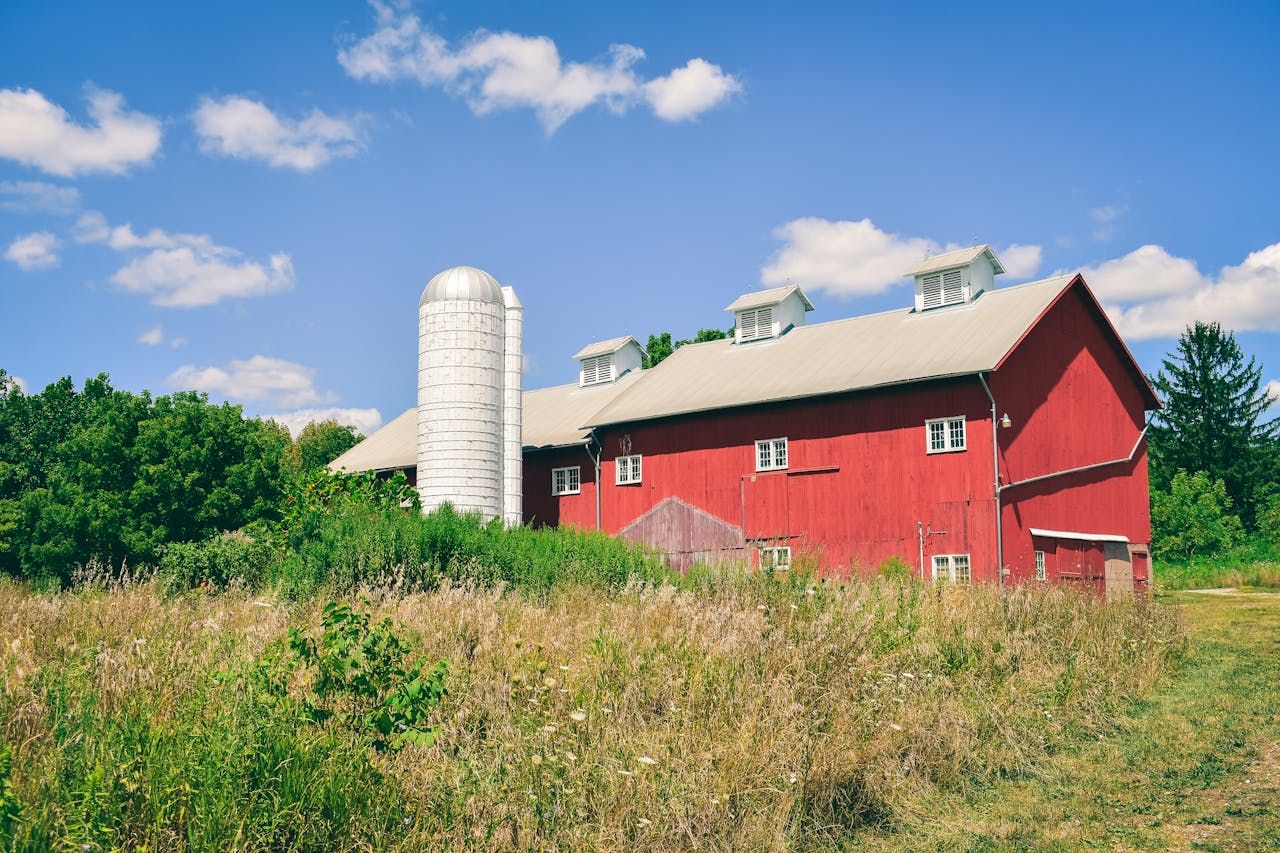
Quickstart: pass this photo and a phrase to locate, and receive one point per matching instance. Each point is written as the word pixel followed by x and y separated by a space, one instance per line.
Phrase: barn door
pixel 1118 570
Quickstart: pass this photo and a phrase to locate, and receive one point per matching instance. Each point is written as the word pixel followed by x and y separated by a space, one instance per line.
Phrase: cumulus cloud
pixel 1273 391
pixel 236 126
pixel 366 421
pixel 37 132
pixel 184 270
pixel 152 337
pixel 10 382
pixel 36 251
pixel 38 197
pixel 494 71
pixel 1150 293
pixel 260 379
pixel 856 258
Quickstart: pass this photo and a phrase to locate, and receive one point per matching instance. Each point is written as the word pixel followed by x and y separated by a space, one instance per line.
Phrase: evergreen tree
pixel 1212 420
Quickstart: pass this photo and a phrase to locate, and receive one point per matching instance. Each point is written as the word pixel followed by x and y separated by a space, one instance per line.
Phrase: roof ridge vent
pixel 767 314
pixel 605 362
pixel 954 278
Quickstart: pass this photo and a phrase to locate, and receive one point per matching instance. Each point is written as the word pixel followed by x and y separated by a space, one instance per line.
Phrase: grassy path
pixel 1195 766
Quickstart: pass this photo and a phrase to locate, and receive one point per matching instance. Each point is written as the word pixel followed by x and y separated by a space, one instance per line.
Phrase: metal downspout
pixel 995 473
pixel 595 457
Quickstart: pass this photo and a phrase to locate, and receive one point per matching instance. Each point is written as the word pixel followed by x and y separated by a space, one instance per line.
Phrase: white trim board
pixel 1088 537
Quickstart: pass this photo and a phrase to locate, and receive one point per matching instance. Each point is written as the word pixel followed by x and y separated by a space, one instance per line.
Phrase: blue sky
pixel 248 198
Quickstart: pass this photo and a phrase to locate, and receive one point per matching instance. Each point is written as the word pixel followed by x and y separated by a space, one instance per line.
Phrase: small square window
pixel 944 435
pixel 775 558
pixel 951 567
pixel 566 481
pixel 628 470
pixel 771 454
pixel 1041 574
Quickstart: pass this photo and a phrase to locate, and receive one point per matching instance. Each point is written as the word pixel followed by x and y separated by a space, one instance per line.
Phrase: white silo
pixel 462 411
pixel 513 451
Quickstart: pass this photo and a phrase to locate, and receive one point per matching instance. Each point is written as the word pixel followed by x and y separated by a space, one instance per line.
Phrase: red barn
pixel 981 427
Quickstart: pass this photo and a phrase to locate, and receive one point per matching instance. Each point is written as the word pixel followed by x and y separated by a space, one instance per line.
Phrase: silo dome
pixel 462 283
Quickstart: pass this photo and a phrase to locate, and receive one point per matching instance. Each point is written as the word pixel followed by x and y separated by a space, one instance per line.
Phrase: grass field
pixel 748 712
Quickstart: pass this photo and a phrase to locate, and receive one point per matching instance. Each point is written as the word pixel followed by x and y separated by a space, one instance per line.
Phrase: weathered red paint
pixel 860 485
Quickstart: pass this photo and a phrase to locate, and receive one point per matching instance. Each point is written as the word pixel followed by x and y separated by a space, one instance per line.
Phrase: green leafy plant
pixel 10 807
pixel 361 676
pixel 1193 517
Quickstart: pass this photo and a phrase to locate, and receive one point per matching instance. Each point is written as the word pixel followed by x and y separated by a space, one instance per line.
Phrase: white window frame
pixel 597 370
pixel 628 470
pixel 750 327
pixel 776 557
pixel 566 481
pixel 949 567
pixel 1041 573
pixel 768 453
pixel 950 443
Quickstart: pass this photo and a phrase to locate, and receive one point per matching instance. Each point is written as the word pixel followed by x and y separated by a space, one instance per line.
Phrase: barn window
pixel 754 325
pixel 942 288
pixel 1040 571
pixel 951 567
pixel 566 481
pixel 771 454
pixel 944 435
pixel 628 470
pixel 775 558
pixel 597 370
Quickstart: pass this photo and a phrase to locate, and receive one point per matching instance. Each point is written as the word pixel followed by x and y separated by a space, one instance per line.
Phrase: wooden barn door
pixel 1118 570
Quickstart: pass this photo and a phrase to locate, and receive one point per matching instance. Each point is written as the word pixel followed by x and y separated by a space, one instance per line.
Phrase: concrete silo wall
pixel 513 453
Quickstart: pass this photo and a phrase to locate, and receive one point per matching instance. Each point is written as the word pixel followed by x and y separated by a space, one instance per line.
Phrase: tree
pixel 1192 517
pixel 660 346
pixel 321 442
pixel 1212 418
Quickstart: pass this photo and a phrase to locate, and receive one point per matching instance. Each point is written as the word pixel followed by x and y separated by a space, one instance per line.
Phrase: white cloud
pixel 36 251
pixel 38 197
pixel 494 71
pixel 366 421
pixel 687 92
pixel 239 127
pixel 12 381
pixel 1151 294
pixel 185 270
pixel 37 132
pixel 1273 391
pixel 152 337
pixel 856 258
pixel 1106 217
pixel 274 381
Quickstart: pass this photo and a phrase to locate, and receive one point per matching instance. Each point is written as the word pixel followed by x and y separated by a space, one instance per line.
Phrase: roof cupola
pixel 954 278
pixel 768 314
pixel 608 361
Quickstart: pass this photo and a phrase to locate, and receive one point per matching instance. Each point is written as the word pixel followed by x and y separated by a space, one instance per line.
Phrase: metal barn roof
pixel 606 347
pixel 843 355
pixel 393 446
pixel 772 296
pixel 462 283
pixel 958 258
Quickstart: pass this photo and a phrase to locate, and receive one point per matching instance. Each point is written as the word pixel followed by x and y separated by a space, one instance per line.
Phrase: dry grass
pixel 749 714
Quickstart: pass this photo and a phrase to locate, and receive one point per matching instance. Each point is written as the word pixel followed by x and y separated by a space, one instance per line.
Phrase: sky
pixel 248 198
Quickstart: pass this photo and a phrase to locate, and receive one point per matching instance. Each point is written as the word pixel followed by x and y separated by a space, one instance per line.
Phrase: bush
pixel 1193 517
pixel 220 561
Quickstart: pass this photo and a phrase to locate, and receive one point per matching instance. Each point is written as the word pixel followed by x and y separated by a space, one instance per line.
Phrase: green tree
pixel 1193 518
pixel 321 442
pixel 1212 418
pixel 660 346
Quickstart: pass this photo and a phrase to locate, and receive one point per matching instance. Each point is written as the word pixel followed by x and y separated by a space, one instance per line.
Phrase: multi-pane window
pixel 944 434
pixel 628 470
pixel 951 567
pixel 566 481
pixel 775 558
pixel 597 369
pixel 755 324
pixel 1040 572
pixel 771 454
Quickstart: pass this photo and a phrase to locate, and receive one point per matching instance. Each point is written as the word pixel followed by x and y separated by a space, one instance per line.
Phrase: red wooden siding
pixel 541 508
pixel 1073 402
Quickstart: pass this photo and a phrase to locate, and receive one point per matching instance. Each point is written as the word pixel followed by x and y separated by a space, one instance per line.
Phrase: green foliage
pixel 108 474
pixel 216 562
pixel 360 678
pixel 896 568
pixel 10 806
pixel 1212 418
pixel 660 346
pixel 321 442
pixel 1193 517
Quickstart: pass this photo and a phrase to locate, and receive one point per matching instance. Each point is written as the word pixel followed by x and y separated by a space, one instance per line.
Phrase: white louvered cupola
pixel 768 314
pixel 954 278
pixel 608 361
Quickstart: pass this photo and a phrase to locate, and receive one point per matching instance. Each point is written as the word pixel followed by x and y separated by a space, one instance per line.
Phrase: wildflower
pixel 793 778
pixel 907 675
pixel 407 821
pixel 811 591
pixel 139 642
pixel 895 727
pixel 715 801
pixel 607 710
pixel 645 760
pixel 795 606
pixel 643 822
pixel 625 773
pixel 577 716
pixel 564 668
pixel 536 759
pixel 761 607
pixel 549 683
pixel 569 755
pixel 549 728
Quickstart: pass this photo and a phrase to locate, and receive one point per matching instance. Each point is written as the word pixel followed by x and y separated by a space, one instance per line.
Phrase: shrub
pixel 1193 517
pixel 219 561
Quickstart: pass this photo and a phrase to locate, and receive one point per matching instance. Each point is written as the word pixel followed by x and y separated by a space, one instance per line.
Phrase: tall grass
pixel 746 711
pixel 1255 563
